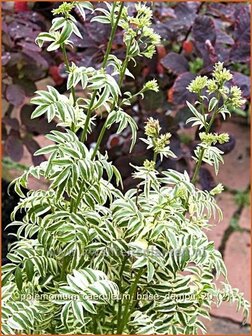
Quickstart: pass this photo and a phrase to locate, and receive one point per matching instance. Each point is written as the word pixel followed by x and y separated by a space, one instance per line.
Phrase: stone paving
pixel 234 242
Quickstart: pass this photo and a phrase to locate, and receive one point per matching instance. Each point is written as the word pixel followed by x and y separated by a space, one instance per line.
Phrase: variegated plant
pixel 90 258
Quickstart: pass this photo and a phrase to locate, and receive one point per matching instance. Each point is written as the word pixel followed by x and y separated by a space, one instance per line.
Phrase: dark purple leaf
pixel 29 46
pixel 167 163
pixel 5 58
pixel 166 122
pixel 204 34
pixel 15 58
pixel 180 92
pixel 221 52
pixel 163 11
pixel 223 38
pixel 36 126
pixel 33 72
pixel 7 41
pixel 176 28
pixel 204 29
pixel 130 183
pixel 98 32
pixel 182 115
pixel 163 30
pixel 18 31
pixel 240 52
pixel 206 179
pixel 175 146
pixel 221 10
pixel 28 85
pixel 14 146
pixel 12 122
pixel 15 95
pixel 176 63
pixel 123 164
pixel 243 82
pixel 32 147
pixel 182 165
pixel 242 24
pixel 87 41
pixel 35 57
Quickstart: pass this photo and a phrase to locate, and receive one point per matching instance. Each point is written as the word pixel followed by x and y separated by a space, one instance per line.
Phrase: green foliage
pixel 242 198
pixel 91 259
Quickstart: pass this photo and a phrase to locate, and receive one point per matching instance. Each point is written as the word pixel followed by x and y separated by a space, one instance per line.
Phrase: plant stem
pixel 132 292
pixel 103 130
pixel 79 195
pixel 155 156
pixel 124 67
pixel 113 31
pixel 85 130
pixel 198 165
pixel 63 48
pixel 63 269
pixel 120 288
pixel 111 38
pixel 99 140
pixel 201 156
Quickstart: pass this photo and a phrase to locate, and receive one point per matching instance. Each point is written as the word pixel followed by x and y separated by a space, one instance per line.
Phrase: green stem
pixel 201 156
pixel 127 308
pixel 63 48
pixel 89 112
pixel 111 38
pixel 113 31
pixel 124 67
pixel 103 130
pixel 120 289
pixel 155 154
pixel 198 165
pixel 99 140
pixel 79 195
pixel 63 269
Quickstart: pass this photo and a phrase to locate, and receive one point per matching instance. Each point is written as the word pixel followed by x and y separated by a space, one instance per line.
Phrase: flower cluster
pixel 235 98
pixel 137 31
pixel 62 28
pixel 212 85
pixel 232 97
pixel 152 128
pixel 221 74
pixel 149 165
pixel 162 142
pixel 151 85
pixel 159 142
pixel 211 138
pixel 64 9
pixel 198 84
pixel 152 38
pixel 144 16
